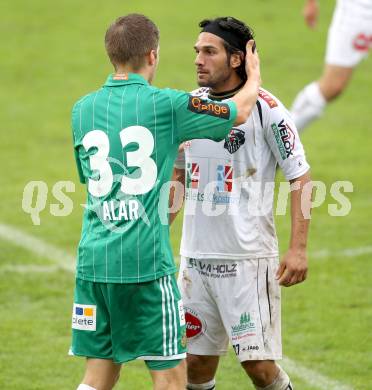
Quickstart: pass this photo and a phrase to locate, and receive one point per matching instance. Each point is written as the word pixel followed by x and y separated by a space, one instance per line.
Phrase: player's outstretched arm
pixel 246 98
pixel 293 267
pixel 311 13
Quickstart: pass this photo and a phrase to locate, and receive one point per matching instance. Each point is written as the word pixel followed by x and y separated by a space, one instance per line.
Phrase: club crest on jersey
pixel 192 175
pixel 285 138
pixel 234 140
pixel 224 178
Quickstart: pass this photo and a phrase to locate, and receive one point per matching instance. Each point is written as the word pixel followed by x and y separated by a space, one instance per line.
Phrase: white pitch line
pixel 350 252
pixel 26 269
pixel 313 378
pixel 66 261
pixel 37 246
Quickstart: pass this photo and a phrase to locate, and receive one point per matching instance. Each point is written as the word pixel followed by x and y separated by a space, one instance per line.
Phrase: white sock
pixel 211 385
pixel 281 382
pixel 308 106
pixel 85 387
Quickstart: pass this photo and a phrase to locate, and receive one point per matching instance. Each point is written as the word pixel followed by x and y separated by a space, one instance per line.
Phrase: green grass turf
pixel 52 53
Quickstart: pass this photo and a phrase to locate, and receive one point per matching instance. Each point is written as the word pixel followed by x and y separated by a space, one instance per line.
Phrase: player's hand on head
pixel 252 62
pixel 311 13
pixel 293 268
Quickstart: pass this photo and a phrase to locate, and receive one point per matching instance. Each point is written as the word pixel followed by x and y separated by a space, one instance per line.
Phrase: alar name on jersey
pixel 127 210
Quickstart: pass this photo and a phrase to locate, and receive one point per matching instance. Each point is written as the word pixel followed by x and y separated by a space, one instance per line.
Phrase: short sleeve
pixel 199 118
pixel 284 141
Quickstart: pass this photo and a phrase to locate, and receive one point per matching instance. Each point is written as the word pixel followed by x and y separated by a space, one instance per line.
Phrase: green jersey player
pixel 126 137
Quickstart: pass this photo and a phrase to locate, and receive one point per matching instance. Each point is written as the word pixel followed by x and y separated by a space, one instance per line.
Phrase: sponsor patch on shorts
pixel 246 327
pixel 200 106
pixel 195 325
pixel 84 317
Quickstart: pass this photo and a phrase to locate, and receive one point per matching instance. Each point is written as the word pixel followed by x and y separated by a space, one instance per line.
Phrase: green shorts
pixel 123 322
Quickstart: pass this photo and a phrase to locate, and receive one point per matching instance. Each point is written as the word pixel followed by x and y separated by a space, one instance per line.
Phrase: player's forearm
pixel 176 197
pixel 245 99
pixel 300 211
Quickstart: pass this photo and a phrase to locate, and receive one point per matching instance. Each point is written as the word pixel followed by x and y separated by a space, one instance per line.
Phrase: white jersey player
pixel 349 41
pixel 229 252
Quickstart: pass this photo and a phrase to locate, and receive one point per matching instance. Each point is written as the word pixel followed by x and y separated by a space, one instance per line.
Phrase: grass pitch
pixel 52 53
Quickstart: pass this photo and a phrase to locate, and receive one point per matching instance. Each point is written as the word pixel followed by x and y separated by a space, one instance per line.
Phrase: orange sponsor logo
pixel 268 99
pixel 205 107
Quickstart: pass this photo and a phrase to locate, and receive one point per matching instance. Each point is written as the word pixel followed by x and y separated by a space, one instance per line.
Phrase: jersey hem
pixel 224 256
pixel 127 280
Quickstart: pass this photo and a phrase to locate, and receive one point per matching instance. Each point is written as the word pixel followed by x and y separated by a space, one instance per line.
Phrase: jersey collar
pixel 226 94
pixel 125 79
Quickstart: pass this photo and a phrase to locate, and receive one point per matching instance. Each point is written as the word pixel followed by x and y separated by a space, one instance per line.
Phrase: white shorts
pixel 236 301
pixel 350 34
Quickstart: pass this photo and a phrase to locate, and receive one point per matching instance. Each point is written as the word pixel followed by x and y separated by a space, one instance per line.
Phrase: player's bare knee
pixel 179 373
pixel 171 379
pixel 101 374
pixel 100 382
pixel 261 371
pixel 201 368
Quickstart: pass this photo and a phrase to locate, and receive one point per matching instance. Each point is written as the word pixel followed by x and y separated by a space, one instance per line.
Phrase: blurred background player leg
pixel 349 39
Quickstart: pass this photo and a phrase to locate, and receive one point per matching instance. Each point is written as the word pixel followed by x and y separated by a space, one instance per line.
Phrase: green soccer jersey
pixel 126 137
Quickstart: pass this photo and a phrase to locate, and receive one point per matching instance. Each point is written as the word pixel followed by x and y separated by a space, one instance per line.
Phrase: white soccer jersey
pixel 229 184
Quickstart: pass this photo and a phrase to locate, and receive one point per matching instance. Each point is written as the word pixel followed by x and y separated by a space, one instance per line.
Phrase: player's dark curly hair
pixel 238 28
